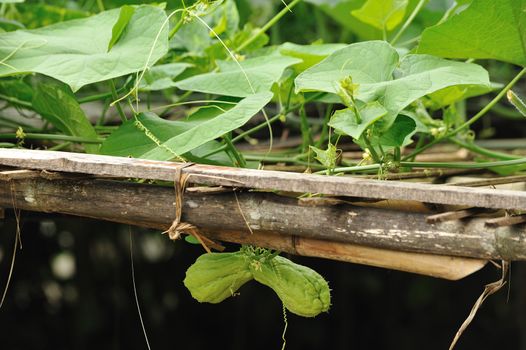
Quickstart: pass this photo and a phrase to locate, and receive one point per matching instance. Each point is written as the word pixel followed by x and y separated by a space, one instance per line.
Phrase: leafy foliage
pixel 57 104
pixel 225 70
pixel 251 76
pixel 486 29
pixel 76 52
pixel 188 138
pixel 384 15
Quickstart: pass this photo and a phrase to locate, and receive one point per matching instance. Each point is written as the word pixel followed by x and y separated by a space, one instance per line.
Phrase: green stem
pixel 325 128
pixel 408 21
pixel 117 105
pixel 463 165
pixel 277 159
pixel 59 147
pixel 238 156
pixel 476 117
pixel 52 137
pixel 276 117
pixel 100 5
pixel 256 128
pixel 483 151
pixel 305 129
pixel 351 169
pixel 448 13
pixel 419 144
pixel 269 24
pixel 16 101
pixel 371 149
pixel 97 97
pixel 176 28
pixel 7 122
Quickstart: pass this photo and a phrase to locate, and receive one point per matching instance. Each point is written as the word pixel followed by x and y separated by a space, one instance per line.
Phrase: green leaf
pixel 326 157
pixel 399 134
pixel 340 11
pixel 161 77
pixel 165 142
pixel 191 239
pixel 226 19
pixel 344 121
pixel 125 16
pixel 452 94
pixel 57 104
pixel 231 80
pixel 75 52
pixel 486 29
pixel 16 88
pixel 382 14
pixel 214 128
pixel 309 54
pixel 367 62
pixel 192 37
pixel 507 170
pixel 372 66
pixel 195 37
pixel 131 141
pixel 517 102
pixel 217 50
pixel 34 15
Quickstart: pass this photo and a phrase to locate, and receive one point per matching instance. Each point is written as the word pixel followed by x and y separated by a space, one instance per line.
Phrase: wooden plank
pixel 267 213
pixel 257 179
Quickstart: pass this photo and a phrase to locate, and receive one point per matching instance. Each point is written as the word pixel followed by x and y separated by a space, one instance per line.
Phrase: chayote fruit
pixel 302 290
pixel 217 276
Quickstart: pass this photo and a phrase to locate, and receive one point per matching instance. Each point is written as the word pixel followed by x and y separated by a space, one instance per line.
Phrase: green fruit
pixel 217 276
pixel 302 290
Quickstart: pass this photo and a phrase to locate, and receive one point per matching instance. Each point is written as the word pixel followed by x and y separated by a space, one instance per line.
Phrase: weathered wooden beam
pixel 218 216
pixel 257 179
pixel 265 213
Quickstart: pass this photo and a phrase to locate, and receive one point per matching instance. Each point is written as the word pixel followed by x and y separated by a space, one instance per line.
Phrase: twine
pixel 179 227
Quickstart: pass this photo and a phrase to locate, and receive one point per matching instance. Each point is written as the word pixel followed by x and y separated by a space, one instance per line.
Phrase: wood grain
pixel 219 218
pixel 264 180
pixel 266 213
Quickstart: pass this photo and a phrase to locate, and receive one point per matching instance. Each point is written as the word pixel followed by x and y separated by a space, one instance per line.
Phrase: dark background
pixel 94 308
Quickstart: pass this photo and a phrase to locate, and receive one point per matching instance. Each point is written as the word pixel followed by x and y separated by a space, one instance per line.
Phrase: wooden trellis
pixel 241 205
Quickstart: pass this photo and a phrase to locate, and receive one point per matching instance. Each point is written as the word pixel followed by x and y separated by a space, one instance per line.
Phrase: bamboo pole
pixel 343 232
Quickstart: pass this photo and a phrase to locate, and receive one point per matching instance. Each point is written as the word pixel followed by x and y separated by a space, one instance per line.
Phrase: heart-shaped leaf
pixel 255 75
pixel 346 122
pixel 161 77
pixel 76 52
pixel 162 143
pixel 382 14
pixel 486 29
pixel 375 67
pixel 130 141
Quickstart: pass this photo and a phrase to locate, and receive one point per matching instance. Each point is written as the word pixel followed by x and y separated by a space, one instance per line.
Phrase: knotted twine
pixel 179 227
